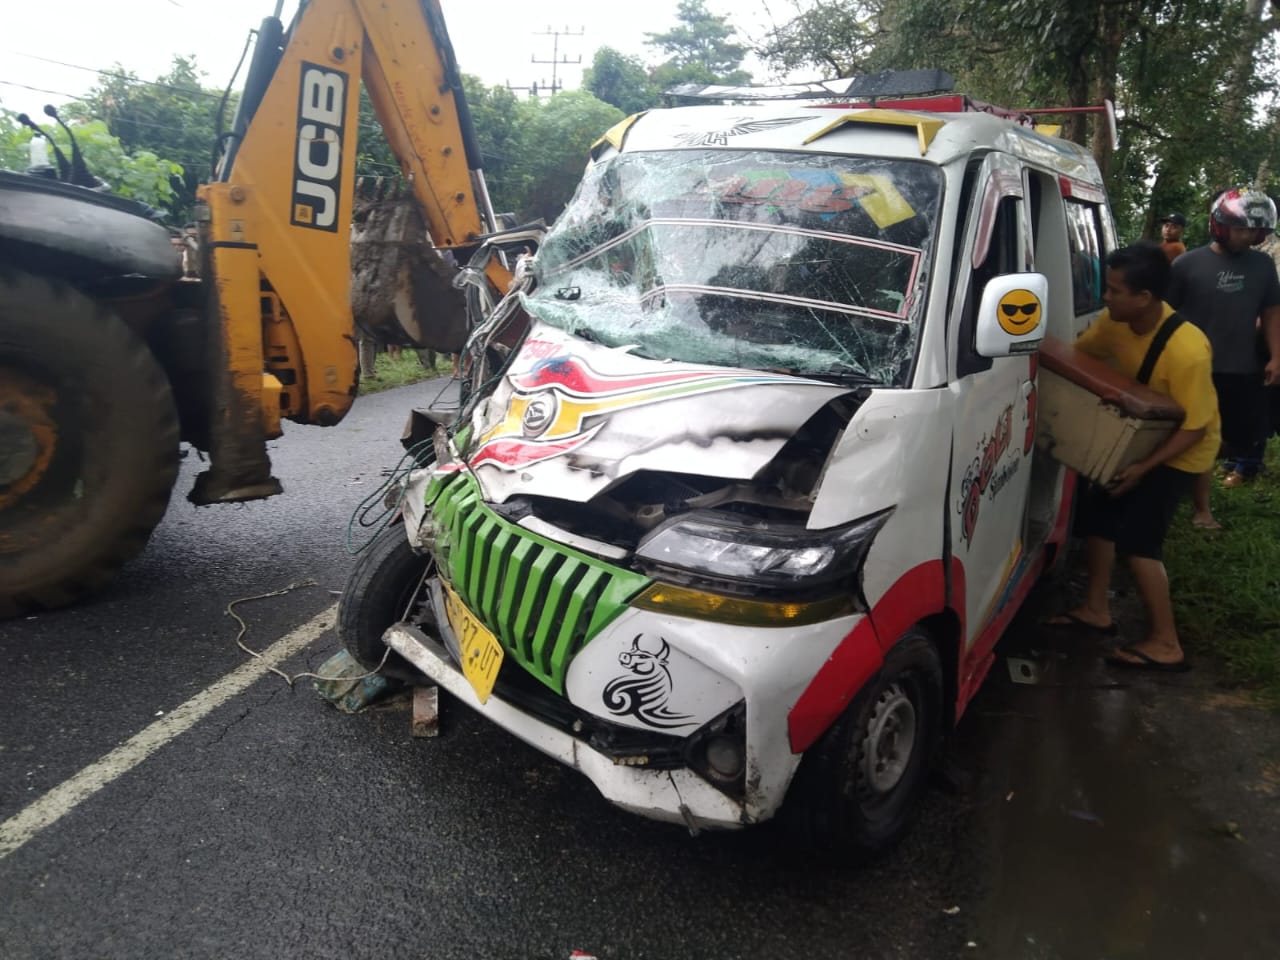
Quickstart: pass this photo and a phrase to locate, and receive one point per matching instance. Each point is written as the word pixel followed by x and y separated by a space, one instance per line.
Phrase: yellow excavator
pixel 121 338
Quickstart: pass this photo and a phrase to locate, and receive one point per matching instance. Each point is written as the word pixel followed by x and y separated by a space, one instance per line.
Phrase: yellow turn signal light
pixel 681 601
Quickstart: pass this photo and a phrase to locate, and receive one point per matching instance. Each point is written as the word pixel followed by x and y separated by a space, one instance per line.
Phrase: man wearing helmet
pixel 1231 291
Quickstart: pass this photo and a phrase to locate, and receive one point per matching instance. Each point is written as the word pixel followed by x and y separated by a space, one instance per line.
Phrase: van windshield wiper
pixel 845 376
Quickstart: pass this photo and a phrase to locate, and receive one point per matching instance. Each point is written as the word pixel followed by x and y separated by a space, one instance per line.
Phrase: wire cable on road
pixel 290 680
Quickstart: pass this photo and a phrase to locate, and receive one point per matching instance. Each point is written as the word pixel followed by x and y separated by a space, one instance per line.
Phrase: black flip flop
pixel 1076 625
pixel 1145 662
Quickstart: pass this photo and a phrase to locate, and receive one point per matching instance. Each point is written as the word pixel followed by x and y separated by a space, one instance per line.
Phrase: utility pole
pixel 556 57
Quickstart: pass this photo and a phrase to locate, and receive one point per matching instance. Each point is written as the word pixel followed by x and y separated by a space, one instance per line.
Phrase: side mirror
pixel 1011 319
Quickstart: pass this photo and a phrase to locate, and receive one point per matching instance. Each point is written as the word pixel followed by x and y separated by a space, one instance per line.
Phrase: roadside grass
pixel 403 370
pixel 1226 584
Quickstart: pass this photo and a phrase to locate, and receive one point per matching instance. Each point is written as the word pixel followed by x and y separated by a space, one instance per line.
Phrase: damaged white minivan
pixel 734 529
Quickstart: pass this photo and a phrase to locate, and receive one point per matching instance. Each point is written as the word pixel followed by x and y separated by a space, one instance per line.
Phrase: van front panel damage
pixel 542 601
pixel 571 419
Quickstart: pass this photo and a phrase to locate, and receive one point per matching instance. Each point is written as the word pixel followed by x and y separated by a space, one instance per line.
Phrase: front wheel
pixel 377 595
pixel 857 788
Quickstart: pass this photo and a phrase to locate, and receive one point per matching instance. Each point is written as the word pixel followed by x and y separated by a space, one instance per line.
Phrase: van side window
pixel 1085 240
pixel 1002 257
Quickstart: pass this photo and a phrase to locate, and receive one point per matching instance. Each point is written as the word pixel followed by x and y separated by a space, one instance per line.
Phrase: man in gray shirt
pixel 1232 293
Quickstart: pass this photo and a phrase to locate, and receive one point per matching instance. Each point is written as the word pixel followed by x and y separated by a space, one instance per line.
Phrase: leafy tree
pixel 373 154
pixel 138 175
pixel 620 80
pixel 834 37
pixel 556 136
pixel 700 49
pixel 173 116
pixel 1188 77
pixel 14 140
pixel 495 113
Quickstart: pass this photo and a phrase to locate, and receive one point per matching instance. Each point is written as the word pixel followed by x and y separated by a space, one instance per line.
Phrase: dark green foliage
pixel 554 140
pixel 1192 80
pixel 138 175
pixel 621 81
pixel 172 117
pixel 699 49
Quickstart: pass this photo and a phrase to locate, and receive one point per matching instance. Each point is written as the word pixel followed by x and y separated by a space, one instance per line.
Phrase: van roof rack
pixel 887 83
pixel 928 91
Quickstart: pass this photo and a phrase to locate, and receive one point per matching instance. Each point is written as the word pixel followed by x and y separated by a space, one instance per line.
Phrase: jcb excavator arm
pixel 276 226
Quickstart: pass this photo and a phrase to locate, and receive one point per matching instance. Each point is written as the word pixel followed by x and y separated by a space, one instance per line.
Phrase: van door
pixel 994 431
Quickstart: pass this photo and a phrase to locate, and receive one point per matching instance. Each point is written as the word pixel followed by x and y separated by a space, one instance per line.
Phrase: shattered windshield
pixel 812 264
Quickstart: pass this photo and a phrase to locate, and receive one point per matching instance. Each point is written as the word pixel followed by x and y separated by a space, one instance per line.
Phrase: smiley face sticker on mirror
pixel 1019 312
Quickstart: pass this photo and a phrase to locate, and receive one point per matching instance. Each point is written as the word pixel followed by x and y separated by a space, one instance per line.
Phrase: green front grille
pixel 543 601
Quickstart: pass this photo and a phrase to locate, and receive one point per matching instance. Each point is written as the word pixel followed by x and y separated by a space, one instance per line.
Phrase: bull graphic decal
pixel 644 690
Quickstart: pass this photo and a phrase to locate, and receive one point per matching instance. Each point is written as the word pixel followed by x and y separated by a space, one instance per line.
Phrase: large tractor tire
pixel 88 443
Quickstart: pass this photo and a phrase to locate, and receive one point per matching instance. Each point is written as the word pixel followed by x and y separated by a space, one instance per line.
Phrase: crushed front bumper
pixel 676 796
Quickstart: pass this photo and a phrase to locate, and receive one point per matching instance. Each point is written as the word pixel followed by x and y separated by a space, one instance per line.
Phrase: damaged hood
pixel 571 418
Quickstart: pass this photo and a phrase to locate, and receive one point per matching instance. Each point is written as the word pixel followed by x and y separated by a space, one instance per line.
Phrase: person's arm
pixel 1269 318
pixel 1091 341
pixel 1271 330
pixel 1191 387
pixel 1179 442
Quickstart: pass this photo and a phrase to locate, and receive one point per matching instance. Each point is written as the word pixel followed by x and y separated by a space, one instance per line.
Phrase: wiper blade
pixel 844 376
pixel 840 375
pixel 852 378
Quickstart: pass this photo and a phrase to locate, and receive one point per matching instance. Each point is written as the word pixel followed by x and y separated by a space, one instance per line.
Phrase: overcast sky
pixel 494 40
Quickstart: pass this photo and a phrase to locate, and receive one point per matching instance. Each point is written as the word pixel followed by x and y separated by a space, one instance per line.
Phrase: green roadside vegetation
pixel 1226 584
pixel 403 370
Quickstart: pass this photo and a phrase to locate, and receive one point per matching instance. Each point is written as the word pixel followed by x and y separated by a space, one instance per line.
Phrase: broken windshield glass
pixel 813 264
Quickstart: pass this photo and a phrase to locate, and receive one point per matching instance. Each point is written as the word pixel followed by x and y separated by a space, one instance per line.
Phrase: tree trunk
pixel 1157 206
pixel 1115 19
pixel 1237 87
pixel 1077 124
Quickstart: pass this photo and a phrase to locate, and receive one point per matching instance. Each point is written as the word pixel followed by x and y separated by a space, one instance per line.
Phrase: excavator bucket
pixel 401 283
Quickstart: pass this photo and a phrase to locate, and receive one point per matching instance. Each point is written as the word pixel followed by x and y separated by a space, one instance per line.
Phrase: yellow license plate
pixel 481 652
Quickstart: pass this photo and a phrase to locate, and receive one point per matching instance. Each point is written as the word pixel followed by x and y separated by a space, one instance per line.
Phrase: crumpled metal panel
pixel 571 418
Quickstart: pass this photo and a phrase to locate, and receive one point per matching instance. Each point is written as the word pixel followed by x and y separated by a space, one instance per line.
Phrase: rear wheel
pixel 88 443
pixel 377 594
pixel 858 787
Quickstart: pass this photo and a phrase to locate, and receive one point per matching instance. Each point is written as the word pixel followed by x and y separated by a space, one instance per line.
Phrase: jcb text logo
pixel 317 167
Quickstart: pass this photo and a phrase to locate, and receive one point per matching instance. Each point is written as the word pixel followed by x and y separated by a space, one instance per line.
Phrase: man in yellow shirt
pixel 1132 516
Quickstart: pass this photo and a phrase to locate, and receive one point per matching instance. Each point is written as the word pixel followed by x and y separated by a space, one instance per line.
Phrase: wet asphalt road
pixel 279 827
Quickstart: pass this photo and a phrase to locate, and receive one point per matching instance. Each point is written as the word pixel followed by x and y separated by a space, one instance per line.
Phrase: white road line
pixel 65 797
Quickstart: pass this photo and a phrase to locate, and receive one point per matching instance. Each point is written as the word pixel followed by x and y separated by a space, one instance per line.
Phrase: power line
pixel 63 93
pixel 56 93
pixel 115 74
pixel 120 118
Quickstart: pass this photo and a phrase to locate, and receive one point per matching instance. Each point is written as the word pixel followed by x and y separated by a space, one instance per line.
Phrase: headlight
pixel 761 555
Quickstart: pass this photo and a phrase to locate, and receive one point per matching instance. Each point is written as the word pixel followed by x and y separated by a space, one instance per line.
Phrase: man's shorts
pixel 1137 521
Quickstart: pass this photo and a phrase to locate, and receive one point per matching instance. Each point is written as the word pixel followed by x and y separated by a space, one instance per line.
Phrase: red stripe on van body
pixel 919 592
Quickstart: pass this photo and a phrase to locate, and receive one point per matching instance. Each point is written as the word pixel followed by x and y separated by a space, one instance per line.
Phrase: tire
pixel 88 443
pixel 841 804
pixel 378 591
